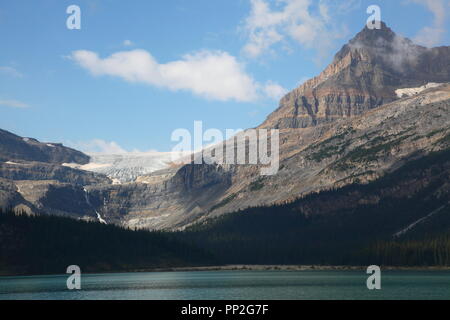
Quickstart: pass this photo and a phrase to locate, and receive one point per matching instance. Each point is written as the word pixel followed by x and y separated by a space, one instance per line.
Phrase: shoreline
pixel 244 267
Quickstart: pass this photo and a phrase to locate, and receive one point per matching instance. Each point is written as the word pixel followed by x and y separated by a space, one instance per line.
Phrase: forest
pixel 48 244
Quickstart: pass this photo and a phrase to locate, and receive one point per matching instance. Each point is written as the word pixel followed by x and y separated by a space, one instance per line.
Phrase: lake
pixel 242 285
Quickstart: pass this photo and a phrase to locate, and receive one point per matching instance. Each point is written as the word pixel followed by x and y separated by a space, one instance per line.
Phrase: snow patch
pixel 409 92
pixel 71 165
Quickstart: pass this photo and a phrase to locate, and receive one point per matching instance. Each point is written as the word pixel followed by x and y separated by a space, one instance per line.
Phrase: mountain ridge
pixel 363 75
pixel 14 147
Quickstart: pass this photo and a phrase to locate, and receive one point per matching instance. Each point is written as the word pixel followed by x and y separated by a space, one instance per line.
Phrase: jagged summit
pixel 369 35
pixel 375 40
pixel 364 74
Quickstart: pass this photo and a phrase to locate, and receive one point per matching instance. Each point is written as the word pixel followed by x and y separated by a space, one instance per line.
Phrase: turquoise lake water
pixel 247 285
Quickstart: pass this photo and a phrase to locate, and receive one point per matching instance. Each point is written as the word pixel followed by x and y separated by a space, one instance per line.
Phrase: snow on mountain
pixel 126 167
pixel 409 92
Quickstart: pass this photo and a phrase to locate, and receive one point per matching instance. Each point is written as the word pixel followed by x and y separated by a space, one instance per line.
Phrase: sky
pixel 137 70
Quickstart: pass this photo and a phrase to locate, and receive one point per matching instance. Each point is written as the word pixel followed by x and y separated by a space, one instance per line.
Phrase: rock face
pixel 364 75
pixel 33 179
pixel 33 170
pixel 9 195
pixel 166 199
pixel 359 149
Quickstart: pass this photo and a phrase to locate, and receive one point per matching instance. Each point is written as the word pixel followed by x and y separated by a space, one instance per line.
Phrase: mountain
pixel 13 148
pixel 34 175
pixel 384 91
pixel 364 75
pixel 328 156
pixel 382 103
pixel 402 219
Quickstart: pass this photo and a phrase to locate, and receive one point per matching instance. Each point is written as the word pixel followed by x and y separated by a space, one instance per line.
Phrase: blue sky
pixel 138 70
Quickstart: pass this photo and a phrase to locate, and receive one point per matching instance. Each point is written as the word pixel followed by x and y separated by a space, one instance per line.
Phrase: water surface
pixel 250 285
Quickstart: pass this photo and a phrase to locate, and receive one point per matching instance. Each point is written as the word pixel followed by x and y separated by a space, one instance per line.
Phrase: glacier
pixel 126 167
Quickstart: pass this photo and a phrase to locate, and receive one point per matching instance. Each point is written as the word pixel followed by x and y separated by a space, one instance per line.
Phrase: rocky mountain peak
pixel 368 36
pixel 364 74
pixel 383 47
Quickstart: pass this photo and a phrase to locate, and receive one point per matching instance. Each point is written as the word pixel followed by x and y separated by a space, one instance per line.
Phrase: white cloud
pixel 13 104
pixel 431 35
pixel 306 22
pixel 211 74
pixel 274 90
pixel 97 146
pixel 10 71
pixel 128 43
